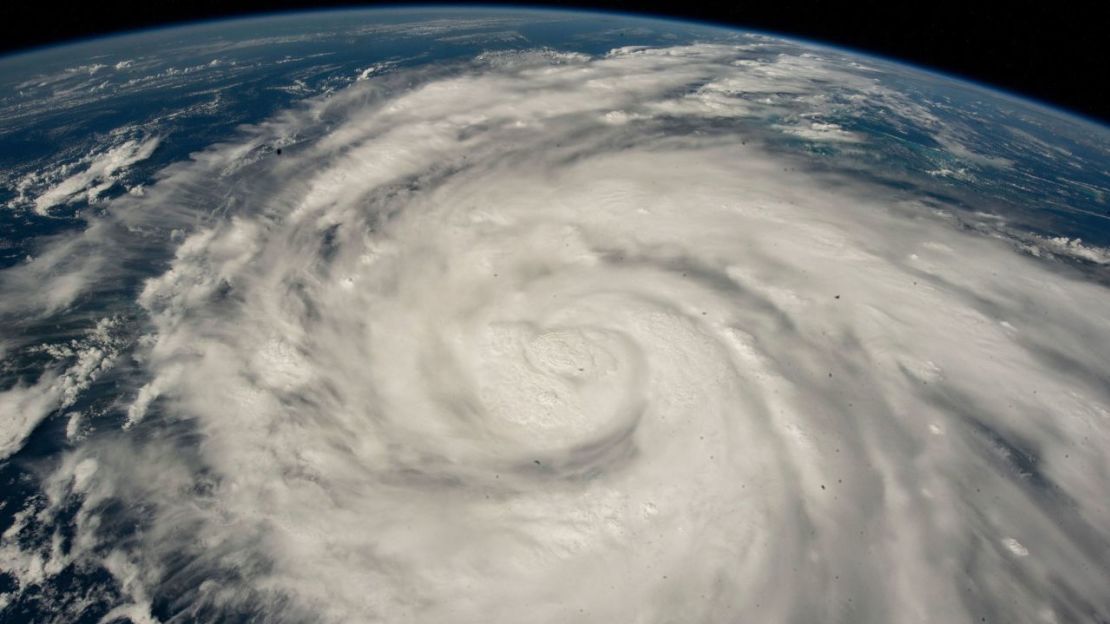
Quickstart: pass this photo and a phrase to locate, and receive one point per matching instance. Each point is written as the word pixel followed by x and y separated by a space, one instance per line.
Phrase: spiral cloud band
pixel 559 338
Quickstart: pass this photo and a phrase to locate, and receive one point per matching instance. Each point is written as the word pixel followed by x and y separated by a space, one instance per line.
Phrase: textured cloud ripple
pixel 546 337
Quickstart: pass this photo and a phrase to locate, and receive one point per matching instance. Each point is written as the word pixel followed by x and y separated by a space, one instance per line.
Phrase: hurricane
pixel 554 336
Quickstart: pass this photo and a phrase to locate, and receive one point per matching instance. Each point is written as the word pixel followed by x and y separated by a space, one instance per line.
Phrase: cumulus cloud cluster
pixel 560 338
pixel 86 179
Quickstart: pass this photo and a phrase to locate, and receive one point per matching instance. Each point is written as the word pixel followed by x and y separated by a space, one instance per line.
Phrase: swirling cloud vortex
pixel 560 338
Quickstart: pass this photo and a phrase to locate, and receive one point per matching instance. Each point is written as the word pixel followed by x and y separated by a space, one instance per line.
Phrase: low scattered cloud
pixel 87 178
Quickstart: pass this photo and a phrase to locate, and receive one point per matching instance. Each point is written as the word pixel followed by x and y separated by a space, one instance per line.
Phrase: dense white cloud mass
pixel 546 337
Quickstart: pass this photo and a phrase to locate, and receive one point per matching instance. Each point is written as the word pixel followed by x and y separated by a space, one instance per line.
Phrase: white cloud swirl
pixel 540 338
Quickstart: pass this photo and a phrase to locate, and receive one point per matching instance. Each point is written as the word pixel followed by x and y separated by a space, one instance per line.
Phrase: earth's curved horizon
pixel 433 314
pixel 247 18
